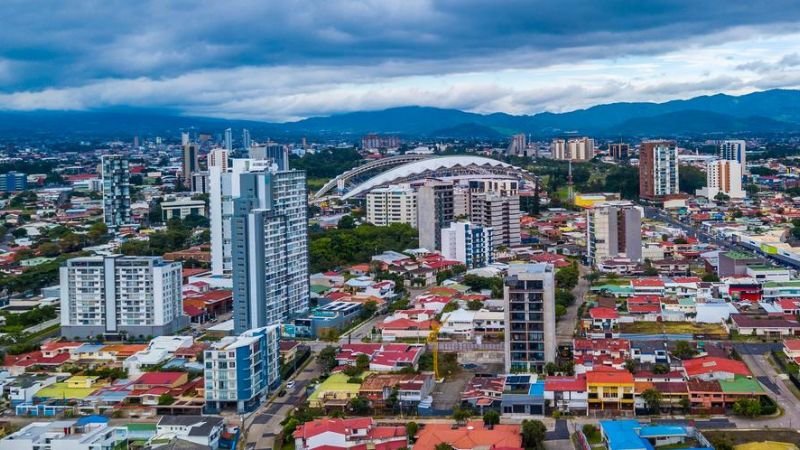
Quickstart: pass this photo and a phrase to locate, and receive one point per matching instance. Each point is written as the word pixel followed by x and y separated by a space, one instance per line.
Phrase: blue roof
pixel 652 431
pixel 537 389
pixel 92 419
pixel 621 435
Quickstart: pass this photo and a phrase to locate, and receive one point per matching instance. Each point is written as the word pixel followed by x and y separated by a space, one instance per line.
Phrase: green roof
pixel 739 255
pixel 319 288
pixel 777 284
pixel 763 268
pixel 141 427
pixel 686 301
pixel 613 288
pixel 741 384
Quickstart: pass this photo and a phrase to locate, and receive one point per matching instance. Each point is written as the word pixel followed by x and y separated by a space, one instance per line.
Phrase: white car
pixel 290 384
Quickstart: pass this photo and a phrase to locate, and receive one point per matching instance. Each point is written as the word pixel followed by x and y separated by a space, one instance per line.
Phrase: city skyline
pixel 342 56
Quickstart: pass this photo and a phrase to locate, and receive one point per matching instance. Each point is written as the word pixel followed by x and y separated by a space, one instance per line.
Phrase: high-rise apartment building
pixel 115 295
pixel 392 204
pixel 434 211
pixel 658 169
pixel 518 145
pixel 223 188
pixel 471 244
pixel 277 153
pixel 269 248
pixel 240 370
pixel 13 181
pixel 577 149
pixel 190 150
pixel 530 318
pixel 246 140
pixel 620 151
pixel 735 150
pixel 377 142
pixel 499 212
pixel 116 190
pixel 723 176
pixel 229 139
pixel 614 229
pixel 218 157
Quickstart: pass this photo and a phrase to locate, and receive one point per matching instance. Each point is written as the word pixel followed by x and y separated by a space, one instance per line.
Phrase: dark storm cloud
pixel 46 44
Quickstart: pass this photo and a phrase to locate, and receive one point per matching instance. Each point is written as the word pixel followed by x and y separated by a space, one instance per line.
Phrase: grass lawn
pixel 672 328
pixel 743 437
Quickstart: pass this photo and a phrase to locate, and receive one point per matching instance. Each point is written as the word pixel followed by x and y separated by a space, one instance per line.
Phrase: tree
pixel 450 307
pixel 561 311
pixel 359 406
pixel 683 350
pixel 550 368
pixel 346 223
pixel 474 305
pixel 690 179
pixel 686 405
pixel 165 399
pixel 461 415
pixel 290 426
pixel 443 446
pixel 362 362
pixel 533 433
pixel 567 277
pixel 721 442
pixel 369 309
pixel 659 369
pixel 652 398
pixel 491 418
pixel 19 232
pixel 97 231
pixel 49 249
pixel 710 277
pixel 747 407
pixel 411 430
pixel 591 432
pixel 327 358
pixel 630 365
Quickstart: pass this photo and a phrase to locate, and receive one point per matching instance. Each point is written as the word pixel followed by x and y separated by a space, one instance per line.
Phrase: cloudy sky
pixel 283 59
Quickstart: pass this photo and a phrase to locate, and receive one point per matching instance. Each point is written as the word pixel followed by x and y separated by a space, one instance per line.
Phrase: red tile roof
pixel 159 378
pixel 603 313
pixel 564 384
pixel 710 364
pixel 647 282
pixel 338 426
pixel 612 376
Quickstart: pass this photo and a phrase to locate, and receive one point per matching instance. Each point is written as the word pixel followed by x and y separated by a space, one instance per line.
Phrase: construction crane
pixel 433 339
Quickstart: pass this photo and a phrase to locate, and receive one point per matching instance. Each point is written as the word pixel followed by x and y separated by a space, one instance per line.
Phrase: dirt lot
pixel 743 437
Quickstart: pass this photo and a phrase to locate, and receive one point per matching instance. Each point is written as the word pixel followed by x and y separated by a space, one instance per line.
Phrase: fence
pixel 780 361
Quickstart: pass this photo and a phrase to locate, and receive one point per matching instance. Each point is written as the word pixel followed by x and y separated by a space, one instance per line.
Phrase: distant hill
pixel 773 111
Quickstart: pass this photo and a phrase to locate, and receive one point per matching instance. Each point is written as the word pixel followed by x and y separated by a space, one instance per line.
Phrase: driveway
pixel 565 328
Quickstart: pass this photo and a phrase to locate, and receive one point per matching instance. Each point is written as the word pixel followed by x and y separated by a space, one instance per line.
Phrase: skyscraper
pixel 228 139
pixel 269 249
pixel 277 153
pixel 499 212
pixel 246 141
pixel 218 158
pixel 576 149
pixel 620 151
pixel 189 162
pixel 723 176
pixel 530 334
pixel 614 229
pixel 658 169
pixel 392 204
pixel 112 295
pixel 116 191
pixel 470 244
pixel 518 145
pixel 434 211
pixel 734 150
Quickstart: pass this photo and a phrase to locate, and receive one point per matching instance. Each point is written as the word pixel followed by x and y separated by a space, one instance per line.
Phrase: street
pixel 755 356
pixel 565 328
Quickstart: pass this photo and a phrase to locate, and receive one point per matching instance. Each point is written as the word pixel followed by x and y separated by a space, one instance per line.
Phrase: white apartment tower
pixel 470 244
pixel 614 229
pixel 723 176
pixel 116 295
pixel 578 149
pixel 392 204
pixel 735 150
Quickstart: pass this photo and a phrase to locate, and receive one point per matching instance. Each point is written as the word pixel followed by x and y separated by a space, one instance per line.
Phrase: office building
pixel 277 153
pixel 434 211
pixel 619 151
pixel 240 370
pixel 530 319
pixel 246 140
pixel 190 150
pixel 392 204
pixel 734 150
pixel 229 139
pixel 613 230
pixel 182 208
pixel 13 182
pixel 116 191
pixel 269 249
pixel 578 149
pixel 120 295
pixel 723 176
pixel 658 169
pixel 499 212
pixel 200 183
pixel 518 145
pixel 471 244
pixel 223 188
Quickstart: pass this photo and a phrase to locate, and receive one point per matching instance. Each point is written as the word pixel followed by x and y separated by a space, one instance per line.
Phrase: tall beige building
pixel 392 204
pixel 578 149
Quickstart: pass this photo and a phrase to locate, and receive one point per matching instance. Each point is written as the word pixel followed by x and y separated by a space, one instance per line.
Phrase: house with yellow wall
pixel 610 389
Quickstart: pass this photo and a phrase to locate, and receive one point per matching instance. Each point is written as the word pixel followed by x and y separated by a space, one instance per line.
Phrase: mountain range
pixel 767 112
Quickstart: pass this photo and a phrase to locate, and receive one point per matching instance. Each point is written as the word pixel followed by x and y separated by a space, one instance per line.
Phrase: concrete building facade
pixel 471 244
pixel 723 176
pixel 614 229
pixel 530 333
pixel 392 204
pixel 434 211
pixel 658 169
pixel 116 190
